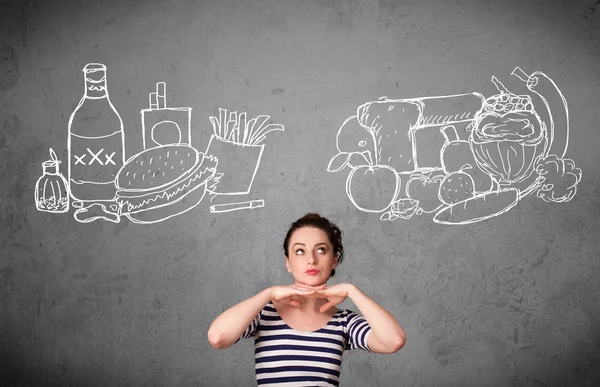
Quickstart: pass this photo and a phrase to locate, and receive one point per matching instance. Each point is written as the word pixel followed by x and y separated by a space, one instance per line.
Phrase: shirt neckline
pixel 296 330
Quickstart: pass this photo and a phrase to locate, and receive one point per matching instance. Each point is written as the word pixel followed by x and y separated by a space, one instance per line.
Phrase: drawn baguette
pixel 450 109
pixel 478 208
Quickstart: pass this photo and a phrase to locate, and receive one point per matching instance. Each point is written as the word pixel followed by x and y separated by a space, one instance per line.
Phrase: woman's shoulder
pixel 345 314
pixel 349 315
pixel 346 311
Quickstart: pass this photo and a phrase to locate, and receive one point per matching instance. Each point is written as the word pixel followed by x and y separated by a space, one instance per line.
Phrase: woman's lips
pixel 312 272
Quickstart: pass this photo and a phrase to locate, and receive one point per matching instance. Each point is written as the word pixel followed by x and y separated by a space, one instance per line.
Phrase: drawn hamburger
pixel 163 182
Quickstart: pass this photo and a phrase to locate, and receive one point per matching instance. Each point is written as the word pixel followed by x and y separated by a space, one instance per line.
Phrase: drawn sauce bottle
pixel 96 141
pixel 51 192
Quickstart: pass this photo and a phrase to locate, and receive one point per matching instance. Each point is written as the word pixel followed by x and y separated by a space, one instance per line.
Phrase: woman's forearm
pixel 229 325
pixel 384 326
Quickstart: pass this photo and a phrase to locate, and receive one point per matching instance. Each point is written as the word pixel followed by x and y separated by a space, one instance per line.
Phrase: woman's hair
pixel 322 223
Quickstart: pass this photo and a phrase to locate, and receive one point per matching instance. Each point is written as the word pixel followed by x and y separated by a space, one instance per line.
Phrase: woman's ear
pixel 287 265
pixel 335 262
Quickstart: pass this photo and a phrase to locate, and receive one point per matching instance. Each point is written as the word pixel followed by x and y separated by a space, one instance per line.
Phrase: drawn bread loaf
pixel 391 121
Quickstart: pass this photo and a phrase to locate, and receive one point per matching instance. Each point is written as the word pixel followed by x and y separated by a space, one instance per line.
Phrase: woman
pixel 299 334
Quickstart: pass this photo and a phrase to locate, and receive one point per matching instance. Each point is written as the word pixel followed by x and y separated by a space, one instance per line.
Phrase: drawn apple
pixel 424 189
pixel 372 188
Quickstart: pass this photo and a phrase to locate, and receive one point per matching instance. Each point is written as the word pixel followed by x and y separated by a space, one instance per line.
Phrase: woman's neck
pixel 310 304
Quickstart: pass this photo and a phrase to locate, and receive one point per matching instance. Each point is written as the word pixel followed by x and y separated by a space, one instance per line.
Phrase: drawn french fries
pixel 238 129
pixel 237 143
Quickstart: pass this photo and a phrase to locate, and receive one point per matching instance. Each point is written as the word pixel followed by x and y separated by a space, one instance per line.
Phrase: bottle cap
pixel 51 166
pixel 93 67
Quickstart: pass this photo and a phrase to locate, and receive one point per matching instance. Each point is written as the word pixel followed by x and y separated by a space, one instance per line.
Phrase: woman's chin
pixel 310 282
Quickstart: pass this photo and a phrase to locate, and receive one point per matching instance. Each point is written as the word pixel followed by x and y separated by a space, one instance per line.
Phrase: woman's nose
pixel 311 258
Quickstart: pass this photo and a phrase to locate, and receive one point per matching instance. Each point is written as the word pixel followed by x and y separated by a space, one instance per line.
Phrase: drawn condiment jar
pixel 96 141
pixel 51 189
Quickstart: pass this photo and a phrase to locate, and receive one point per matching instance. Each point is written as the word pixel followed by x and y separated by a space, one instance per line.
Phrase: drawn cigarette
pixel 227 207
pixel 153 101
pixel 161 95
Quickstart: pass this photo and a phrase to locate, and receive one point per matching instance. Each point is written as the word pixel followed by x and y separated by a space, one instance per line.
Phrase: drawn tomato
pixel 372 188
pixel 424 189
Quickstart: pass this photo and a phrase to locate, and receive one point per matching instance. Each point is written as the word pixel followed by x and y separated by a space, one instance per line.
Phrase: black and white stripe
pixel 285 356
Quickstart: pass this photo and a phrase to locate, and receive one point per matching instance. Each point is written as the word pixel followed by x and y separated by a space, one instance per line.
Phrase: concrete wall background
pixel 513 300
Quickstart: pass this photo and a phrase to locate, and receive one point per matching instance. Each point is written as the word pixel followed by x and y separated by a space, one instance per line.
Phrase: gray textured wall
pixel 513 300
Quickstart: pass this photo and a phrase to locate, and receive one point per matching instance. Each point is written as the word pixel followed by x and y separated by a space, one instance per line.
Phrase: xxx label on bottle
pixel 95 163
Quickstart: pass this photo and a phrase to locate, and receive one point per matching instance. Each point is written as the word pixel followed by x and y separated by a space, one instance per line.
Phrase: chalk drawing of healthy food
pixel 168 178
pixel 463 158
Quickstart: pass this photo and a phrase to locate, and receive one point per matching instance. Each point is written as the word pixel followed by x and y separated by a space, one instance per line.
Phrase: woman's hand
pixel 284 294
pixel 335 294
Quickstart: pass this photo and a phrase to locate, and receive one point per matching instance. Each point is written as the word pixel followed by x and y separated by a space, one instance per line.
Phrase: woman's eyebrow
pixel 298 243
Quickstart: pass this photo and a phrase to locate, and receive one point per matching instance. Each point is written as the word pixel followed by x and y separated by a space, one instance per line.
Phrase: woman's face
pixel 311 257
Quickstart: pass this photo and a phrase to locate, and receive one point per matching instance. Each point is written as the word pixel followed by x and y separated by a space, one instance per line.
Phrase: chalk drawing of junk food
pixel 237 142
pixel 162 125
pixel 52 189
pixel 162 182
pixel 95 146
pixel 462 158
pixel 166 179
pixel 169 177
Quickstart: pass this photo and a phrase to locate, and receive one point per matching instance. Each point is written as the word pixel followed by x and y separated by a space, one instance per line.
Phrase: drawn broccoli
pixel 559 179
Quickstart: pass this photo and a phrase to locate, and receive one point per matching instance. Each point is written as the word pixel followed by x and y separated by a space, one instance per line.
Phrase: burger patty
pixel 133 204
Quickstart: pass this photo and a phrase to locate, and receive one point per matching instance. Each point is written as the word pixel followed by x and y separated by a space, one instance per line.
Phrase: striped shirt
pixel 285 356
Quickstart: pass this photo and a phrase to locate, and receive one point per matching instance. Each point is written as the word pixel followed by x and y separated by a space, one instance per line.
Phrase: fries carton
pixel 237 144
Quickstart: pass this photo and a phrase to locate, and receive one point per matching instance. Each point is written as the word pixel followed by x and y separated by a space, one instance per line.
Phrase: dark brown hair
pixel 317 221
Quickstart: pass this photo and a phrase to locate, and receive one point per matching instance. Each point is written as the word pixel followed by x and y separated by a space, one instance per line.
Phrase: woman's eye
pixel 299 252
pixel 322 250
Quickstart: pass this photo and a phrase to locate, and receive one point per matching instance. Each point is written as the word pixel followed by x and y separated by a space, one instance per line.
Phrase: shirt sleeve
pixel 251 330
pixel 358 332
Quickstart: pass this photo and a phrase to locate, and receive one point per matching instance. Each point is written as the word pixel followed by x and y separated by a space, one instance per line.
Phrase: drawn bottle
pixel 51 192
pixel 96 140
